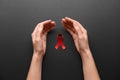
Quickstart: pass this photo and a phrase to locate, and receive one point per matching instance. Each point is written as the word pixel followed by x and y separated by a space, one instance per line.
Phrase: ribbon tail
pixel 57 46
pixel 63 46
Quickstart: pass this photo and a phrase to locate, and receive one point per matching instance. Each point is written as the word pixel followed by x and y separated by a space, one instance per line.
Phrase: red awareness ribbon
pixel 60 38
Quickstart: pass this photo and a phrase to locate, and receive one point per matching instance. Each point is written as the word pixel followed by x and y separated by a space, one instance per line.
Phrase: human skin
pixel 39 36
pixel 79 34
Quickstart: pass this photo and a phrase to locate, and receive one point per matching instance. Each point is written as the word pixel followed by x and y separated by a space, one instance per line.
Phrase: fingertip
pixel 53 23
pixel 63 20
pixel 47 21
pixel 68 18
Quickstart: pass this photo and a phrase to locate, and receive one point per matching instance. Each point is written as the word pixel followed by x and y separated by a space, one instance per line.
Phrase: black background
pixel 18 19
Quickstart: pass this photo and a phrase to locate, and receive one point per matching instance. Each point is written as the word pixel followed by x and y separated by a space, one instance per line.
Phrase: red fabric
pixel 60 42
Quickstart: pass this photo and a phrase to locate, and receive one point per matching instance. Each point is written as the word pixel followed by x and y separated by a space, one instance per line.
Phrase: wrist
pixel 85 53
pixel 38 56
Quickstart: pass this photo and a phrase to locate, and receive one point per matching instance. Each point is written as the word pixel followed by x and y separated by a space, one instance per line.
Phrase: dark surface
pixel 18 19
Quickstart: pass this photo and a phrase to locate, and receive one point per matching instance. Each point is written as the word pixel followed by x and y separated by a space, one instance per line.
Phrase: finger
pixel 40 24
pixel 78 27
pixel 48 27
pixel 45 22
pixel 70 22
pixel 68 25
pixel 48 23
pixel 51 26
pixel 70 19
pixel 39 28
pixel 67 28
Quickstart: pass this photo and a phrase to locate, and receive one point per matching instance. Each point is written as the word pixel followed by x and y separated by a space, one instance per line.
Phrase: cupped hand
pixel 39 36
pixel 78 33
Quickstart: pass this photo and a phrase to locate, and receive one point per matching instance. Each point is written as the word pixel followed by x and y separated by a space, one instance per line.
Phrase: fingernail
pixel 53 22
